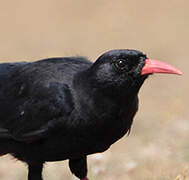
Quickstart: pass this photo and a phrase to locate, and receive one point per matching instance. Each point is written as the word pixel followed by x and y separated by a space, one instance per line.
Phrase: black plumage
pixel 67 108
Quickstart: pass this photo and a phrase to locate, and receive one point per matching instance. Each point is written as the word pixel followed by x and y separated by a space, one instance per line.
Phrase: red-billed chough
pixel 67 108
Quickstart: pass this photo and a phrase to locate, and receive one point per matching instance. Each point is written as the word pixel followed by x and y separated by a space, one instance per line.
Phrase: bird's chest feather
pixel 106 124
pixel 93 132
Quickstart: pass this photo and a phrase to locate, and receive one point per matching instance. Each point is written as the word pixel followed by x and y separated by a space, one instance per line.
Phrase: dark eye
pixel 121 64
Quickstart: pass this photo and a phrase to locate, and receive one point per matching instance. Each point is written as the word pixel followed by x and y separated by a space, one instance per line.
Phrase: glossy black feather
pixel 66 108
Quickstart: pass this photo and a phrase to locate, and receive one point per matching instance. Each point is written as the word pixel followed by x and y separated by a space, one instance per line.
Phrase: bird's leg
pixel 78 167
pixel 35 171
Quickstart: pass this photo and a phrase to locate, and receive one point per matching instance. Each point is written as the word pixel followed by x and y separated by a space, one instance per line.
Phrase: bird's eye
pixel 121 64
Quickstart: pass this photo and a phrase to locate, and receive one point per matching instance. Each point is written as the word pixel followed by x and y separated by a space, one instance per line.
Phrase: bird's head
pixel 125 70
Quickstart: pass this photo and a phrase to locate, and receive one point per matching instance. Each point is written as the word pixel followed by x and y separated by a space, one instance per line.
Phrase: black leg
pixel 35 171
pixel 79 167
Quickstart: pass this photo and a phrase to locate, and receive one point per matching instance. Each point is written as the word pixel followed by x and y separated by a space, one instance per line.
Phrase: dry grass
pixel 158 147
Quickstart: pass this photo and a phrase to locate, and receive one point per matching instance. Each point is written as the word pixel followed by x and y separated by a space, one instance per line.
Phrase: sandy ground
pixel 158 147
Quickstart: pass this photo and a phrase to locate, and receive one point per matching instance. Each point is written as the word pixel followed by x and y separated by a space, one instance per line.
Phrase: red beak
pixel 154 66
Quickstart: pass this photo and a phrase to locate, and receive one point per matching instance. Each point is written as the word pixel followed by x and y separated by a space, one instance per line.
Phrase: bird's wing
pixel 43 114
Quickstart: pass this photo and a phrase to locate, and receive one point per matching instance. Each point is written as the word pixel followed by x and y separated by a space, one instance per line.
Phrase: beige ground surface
pixel 158 147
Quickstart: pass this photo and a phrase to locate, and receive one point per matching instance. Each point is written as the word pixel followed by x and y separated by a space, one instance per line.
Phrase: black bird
pixel 67 108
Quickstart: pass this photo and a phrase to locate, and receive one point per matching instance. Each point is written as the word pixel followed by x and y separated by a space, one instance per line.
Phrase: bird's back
pixel 59 69
pixel 5 70
pixel 20 81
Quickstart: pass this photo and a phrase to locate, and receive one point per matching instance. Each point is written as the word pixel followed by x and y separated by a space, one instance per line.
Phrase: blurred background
pixel 158 146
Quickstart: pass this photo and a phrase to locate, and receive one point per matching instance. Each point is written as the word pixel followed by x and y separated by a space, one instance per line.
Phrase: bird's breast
pixel 90 134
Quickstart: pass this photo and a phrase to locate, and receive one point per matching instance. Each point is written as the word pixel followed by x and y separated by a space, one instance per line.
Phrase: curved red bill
pixel 154 66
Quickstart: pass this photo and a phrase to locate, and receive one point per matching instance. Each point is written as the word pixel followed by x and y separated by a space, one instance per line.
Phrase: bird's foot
pixel 84 178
